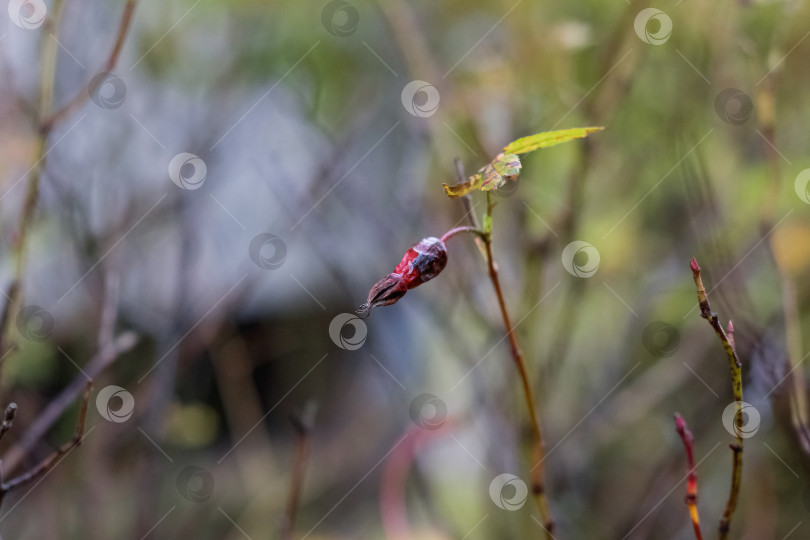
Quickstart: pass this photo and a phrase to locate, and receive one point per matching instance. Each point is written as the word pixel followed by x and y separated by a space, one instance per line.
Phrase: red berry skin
pixel 422 262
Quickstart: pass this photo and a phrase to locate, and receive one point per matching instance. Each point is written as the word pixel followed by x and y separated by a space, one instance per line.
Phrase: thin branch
pixel 458 230
pixel 47 123
pixel 303 427
pixel 46 88
pixel 57 406
pixel 112 60
pixel 691 483
pixel 49 462
pixel 537 481
pixel 736 385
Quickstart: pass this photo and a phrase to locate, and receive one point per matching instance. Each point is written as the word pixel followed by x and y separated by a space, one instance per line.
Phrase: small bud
pixel 422 262
pixel 694 265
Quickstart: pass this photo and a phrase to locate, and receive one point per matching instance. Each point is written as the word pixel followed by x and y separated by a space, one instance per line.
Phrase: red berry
pixel 422 262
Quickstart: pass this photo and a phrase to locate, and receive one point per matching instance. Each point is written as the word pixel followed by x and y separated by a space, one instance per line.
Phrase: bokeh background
pixel 201 288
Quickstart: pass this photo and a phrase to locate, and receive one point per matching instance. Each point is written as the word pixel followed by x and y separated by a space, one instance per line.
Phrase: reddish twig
pixel 691 483
pixel 393 508
pixel 537 480
pixel 458 230
pixel 303 426
pixel 727 340
pixel 49 462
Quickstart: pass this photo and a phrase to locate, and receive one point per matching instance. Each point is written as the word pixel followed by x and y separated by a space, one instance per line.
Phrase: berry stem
pixel 458 230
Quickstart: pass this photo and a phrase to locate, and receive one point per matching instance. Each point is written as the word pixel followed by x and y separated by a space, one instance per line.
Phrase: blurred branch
pixel 766 110
pixel 46 86
pixel 47 123
pixel 302 423
pixel 49 462
pixel 84 94
pixel 736 385
pixel 395 476
pixel 691 486
pixel 57 406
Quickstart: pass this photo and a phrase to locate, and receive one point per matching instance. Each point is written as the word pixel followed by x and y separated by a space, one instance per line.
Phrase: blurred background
pixel 215 204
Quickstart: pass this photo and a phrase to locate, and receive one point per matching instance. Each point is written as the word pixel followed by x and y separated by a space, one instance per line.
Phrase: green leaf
pixel 492 180
pixel 459 190
pixel 546 139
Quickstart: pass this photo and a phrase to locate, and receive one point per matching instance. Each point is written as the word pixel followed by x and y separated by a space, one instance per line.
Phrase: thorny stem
pixel 537 483
pixel 691 485
pixel 736 384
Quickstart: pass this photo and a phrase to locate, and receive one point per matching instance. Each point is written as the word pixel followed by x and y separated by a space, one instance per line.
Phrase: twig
pixel 46 87
pixel 47 123
pixel 303 426
pixel 537 482
pixel 691 483
pixel 736 385
pixel 8 418
pixel 84 94
pixel 458 230
pixel 57 406
pixel 46 464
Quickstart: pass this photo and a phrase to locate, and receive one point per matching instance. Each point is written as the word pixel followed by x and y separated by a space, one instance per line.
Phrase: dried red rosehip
pixel 422 262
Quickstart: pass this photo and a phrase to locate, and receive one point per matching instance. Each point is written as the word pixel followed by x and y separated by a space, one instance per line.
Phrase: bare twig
pixel 691 485
pixel 8 418
pixel 736 384
pixel 47 123
pixel 57 406
pixel 84 94
pixel 303 426
pixel 46 464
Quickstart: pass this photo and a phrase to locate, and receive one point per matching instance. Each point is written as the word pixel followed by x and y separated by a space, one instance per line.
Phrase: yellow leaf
pixel 459 190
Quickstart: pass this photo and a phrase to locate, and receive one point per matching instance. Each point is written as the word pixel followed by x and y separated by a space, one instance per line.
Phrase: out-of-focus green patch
pixel 34 365
pixel 192 425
